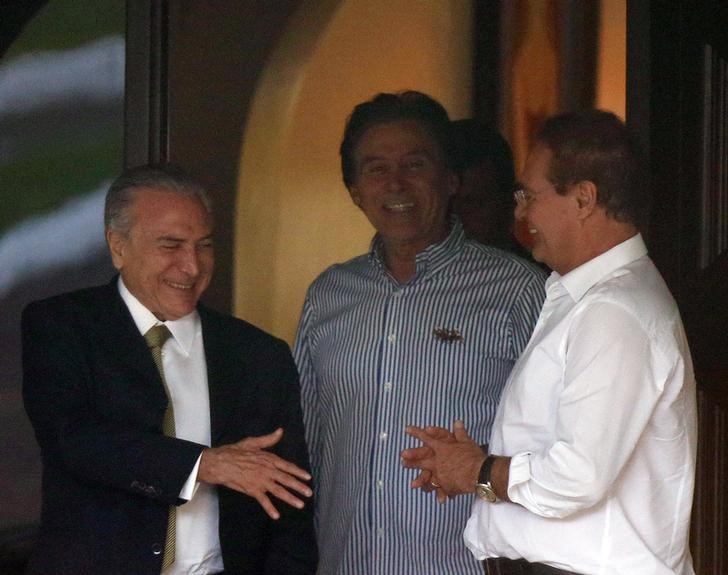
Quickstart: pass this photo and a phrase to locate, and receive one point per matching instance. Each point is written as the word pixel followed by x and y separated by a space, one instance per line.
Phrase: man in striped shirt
pixel 422 329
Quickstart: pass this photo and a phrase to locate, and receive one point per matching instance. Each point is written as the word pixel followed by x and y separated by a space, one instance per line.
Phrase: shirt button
pixel 157 548
pixel 391 338
pixel 383 436
pixel 388 386
pixel 380 484
pixel 380 532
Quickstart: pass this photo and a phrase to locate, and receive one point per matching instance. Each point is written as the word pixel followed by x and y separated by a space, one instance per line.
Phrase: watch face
pixel 485 491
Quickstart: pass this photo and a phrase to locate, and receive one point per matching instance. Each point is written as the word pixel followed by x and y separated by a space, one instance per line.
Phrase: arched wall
pixel 294 216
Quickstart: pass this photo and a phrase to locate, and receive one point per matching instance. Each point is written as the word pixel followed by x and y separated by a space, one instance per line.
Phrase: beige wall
pixel 294 216
pixel 611 88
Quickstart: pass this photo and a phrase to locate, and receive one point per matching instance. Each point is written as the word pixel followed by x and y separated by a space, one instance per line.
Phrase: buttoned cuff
pixel 519 472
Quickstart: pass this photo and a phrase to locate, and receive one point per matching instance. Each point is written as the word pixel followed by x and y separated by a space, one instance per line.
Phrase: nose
pixel 394 182
pixel 189 262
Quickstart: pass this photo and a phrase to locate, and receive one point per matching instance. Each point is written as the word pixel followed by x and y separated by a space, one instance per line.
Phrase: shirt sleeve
pixel 613 378
pixel 526 310
pixel 303 350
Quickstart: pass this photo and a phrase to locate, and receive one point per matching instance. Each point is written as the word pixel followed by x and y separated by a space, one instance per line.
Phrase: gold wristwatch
pixel 483 487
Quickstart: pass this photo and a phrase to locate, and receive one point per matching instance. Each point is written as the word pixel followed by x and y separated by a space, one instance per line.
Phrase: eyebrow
pixel 177 240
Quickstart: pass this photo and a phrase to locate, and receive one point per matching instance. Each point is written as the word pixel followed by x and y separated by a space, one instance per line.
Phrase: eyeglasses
pixel 522 197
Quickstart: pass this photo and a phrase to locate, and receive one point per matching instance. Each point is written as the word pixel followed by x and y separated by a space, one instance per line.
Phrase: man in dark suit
pixel 161 456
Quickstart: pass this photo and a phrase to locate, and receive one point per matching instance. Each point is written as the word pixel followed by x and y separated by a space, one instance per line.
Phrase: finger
pixel 286 496
pixel 270 460
pixel 428 463
pixel 422 481
pixel 267 505
pixel 437 432
pixel 441 496
pixel 292 483
pixel 461 434
pixel 414 454
pixel 418 433
pixel 290 468
pixel 261 441
pixel 433 485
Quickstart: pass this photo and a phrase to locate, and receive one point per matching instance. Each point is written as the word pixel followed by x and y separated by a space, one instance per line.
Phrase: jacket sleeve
pixel 293 547
pixel 85 423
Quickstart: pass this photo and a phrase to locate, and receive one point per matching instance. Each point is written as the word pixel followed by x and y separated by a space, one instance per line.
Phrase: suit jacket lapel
pixel 117 334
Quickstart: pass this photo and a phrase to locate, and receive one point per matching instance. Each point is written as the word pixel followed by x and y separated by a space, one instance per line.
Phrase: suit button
pixel 157 549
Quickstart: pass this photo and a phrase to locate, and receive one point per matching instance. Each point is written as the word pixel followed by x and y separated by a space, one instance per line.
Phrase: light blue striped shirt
pixel 375 355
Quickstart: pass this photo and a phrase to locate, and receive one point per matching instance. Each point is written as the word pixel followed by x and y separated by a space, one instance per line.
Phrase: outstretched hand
pixel 448 461
pixel 246 467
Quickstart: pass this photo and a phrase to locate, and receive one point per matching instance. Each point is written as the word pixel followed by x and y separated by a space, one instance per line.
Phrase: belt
pixel 504 566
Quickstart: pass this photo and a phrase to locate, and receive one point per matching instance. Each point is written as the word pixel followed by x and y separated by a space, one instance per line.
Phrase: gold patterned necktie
pixel 156 338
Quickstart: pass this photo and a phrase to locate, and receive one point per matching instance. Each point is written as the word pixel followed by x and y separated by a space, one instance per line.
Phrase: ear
pixel 586 196
pixel 355 197
pixel 117 243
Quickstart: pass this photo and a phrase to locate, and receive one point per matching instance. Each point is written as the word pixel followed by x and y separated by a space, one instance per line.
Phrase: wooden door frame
pixel 666 80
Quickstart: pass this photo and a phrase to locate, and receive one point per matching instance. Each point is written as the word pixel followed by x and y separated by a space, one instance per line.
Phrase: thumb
pixel 262 441
pixel 461 434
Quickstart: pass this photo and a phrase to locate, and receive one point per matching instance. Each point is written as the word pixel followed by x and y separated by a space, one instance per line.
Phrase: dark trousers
pixel 503 566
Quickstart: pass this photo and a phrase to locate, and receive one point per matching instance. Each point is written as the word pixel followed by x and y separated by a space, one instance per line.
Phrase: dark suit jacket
pixel 96 401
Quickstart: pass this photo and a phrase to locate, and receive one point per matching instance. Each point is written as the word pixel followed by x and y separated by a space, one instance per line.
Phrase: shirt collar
pixel 432 258
pixel 183 330
pixel 581 279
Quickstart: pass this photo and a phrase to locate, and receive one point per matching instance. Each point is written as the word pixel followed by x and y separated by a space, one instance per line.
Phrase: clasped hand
pixel 449 462
pixel 246 467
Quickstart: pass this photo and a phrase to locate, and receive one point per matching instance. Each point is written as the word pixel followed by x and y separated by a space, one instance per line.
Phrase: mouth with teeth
pixel 399 207
pixel 175 285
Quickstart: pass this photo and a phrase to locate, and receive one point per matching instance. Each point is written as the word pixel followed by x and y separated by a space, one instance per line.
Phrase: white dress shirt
pixel 599 417
pixel 185 372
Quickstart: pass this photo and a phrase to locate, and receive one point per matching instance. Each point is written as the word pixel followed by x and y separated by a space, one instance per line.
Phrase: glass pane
pixel 61 130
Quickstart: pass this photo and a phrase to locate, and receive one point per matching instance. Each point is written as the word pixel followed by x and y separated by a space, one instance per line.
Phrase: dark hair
pixel 596 146
pixel 474 142
pixel 169 177
pixel 385 108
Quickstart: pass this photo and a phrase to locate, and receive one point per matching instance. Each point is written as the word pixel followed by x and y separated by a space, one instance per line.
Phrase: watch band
pixel 484 475
pixel 484 488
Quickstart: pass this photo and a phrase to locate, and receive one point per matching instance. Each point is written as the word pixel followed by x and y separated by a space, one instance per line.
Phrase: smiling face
pixel 166 259
pixel 552 219
pixel 403 185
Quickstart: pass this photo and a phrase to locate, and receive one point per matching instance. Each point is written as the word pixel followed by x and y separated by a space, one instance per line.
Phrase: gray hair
pixel 168 177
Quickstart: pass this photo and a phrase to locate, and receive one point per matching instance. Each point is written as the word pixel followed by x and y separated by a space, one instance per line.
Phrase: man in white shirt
pixel 591 462
pixel 163 455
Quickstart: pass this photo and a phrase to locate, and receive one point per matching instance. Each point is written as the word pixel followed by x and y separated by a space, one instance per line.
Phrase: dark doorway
pixel 677 100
